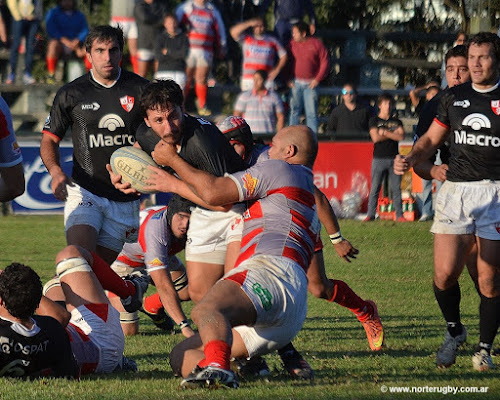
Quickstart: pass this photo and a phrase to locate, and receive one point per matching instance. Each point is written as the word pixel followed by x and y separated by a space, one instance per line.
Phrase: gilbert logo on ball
pixel 132 164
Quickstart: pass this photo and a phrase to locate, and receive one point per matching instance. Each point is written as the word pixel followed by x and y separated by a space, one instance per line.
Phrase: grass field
pixel 394 268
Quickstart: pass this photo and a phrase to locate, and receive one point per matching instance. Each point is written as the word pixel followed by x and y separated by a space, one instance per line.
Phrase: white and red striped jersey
pixel 281 218
pixel 205 27
pixel 259 53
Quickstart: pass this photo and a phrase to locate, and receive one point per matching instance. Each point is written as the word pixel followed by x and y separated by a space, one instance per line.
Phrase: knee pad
pixel 70 265
pixel 181 282
pixel 53 282
pixel 129 318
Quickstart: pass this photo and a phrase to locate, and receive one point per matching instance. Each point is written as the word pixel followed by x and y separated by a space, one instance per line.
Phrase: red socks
pixel 345 296
pixel 152 304
pixel 51 65
pixel 217 354
pixel 201 92
pixel 109 279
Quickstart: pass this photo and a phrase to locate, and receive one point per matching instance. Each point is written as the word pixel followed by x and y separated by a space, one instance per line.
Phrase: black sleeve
pixel 332 121
pixel 66 366
pixel 373 123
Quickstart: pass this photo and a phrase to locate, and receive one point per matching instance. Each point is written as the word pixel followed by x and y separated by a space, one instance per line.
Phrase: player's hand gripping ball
pixel 132 164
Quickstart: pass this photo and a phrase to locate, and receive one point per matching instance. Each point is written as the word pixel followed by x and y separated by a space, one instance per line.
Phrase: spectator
pixel 122 14
pixel 262 109
pixel 431 89
pixel 260 51
pixel 149 17
pixel 349 118
pixel 4 40
pixel 26 17
pixel 205 30
pixel 310 67
pixel 67 29
pixel 289 12
pixel 171 51
pixel 385 131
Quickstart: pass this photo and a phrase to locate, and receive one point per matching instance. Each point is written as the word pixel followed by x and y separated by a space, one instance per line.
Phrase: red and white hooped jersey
pixel 205 26
pixel 259 53
pixel 281 216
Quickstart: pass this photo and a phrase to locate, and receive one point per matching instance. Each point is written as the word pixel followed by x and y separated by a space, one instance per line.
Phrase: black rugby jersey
pixel 44 352
pixel 102 119
pixel 473 119
pixel 387 148
pixel 202 145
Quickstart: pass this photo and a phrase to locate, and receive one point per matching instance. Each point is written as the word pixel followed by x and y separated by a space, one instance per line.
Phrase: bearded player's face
pixel 105 58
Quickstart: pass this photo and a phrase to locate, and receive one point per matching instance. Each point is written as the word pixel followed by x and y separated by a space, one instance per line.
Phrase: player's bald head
pixel 303 139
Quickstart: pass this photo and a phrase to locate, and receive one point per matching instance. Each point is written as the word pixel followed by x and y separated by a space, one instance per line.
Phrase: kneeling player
pixel 162 235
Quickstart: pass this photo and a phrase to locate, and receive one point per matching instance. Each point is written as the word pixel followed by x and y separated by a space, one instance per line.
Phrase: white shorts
pixel 97 344
pixel 145 55
pixel 210 232
pixel 468 208
pixel 128 26
pixel 277 287
pixel 116 222
pixel 199 58
pixel 178 77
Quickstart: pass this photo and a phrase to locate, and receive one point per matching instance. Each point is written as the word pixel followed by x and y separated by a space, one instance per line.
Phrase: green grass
pixel 394 268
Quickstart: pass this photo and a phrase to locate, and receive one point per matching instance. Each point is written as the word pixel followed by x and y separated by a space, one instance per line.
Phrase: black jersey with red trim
pixel 202 145
pixel 473 119
pixel 44 350
pixel 102 119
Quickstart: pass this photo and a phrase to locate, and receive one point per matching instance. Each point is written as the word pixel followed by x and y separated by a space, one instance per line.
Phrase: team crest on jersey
pixel 127 103
pixel 250 183
pixel 495 106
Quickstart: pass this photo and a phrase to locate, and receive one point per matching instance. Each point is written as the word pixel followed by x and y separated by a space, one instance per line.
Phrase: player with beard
pixel 467 209
pixel 101 109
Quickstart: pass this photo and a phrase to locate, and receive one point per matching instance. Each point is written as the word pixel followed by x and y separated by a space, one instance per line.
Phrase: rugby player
pixel 280 230
pixel 319 285
pixel 11 160
pixel 467 209
pixel 445 283
pixel 162 235
pixel 93 340
pixel 213 236
pixel 100 108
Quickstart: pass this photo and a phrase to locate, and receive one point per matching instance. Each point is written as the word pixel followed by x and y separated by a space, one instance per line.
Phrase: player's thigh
pixel 201 277
pixel 450 254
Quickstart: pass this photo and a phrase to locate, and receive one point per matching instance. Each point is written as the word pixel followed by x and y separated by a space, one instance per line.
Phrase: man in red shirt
pixel 309 67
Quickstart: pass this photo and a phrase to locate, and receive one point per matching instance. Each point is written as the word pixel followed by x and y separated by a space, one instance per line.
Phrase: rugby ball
pixel 132 164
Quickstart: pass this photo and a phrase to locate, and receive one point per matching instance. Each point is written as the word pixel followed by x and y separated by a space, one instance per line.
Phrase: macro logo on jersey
pixel 476 122
pixel 250 183
pixel 127 103
pixel 111 122
pixel 495 106
pixel 93 106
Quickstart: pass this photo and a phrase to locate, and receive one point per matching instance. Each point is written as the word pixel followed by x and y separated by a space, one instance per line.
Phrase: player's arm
pixel 170 299
pixel 428 170
pixel 54 310
pixel 162 181
pixel 12 183
pixel 423 148
pixel 49 153
pixel 211 189
pixel 237 29
pixel 329 220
